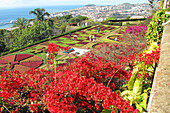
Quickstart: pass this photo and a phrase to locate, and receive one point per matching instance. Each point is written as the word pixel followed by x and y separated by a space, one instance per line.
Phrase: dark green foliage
pixel 71 19
pixel 21 23
pixel 82 18
pixel 2 46
pixel 2 33
pixel 40 30
pixel 74 20
pixel 66 17
pixel 112 18
pixel 151 3
pixel 128 17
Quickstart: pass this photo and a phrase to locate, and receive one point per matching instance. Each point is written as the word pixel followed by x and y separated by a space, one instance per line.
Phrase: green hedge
pixel 125 20
pixel 65 33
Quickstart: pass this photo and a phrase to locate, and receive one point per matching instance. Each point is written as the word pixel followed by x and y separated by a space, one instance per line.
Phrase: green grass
pixel 109 41
pixel 84 35
pixel 61 62
pixel 69 41
pixel 79 45
pixel 54 42
pixel 63 45
pixel 116 35
pixel 62 38
pixel 86 41
pixel 82 38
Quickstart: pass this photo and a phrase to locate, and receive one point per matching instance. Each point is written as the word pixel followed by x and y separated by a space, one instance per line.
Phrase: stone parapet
pixel 159 101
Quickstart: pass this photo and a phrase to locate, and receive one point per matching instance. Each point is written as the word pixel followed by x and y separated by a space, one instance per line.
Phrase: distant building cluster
pixel 100 13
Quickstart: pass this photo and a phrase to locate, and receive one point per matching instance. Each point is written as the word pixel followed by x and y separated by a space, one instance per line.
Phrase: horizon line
pixel 66 5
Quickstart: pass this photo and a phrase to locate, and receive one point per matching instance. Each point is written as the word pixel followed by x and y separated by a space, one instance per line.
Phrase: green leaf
pixel 144 102
pixel 137 89
pixel 139 107
pixel 2 108
pixel 132 80
pixel 106 111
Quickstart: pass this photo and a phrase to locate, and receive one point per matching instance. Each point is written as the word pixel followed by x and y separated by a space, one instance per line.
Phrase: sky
pixel 6 4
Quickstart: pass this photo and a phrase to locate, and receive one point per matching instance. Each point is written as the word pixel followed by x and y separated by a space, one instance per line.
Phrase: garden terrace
pixel 82 41
pixel 89 83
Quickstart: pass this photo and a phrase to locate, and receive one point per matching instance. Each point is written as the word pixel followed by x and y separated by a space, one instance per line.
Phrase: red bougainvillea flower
pixel 54 48
pixel 86 85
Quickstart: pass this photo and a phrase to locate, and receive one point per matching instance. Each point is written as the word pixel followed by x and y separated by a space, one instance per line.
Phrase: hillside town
pixel 100 13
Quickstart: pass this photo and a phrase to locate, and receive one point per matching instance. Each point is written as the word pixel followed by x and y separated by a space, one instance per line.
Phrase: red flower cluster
pixel 54 48
pixel 86 85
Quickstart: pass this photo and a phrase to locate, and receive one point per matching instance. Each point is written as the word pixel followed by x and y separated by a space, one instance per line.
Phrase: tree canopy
pixel 40 13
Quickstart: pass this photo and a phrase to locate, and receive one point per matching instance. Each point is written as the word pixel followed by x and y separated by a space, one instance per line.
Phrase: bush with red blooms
pixel 116 52
pixel 54 48
pixel 86 85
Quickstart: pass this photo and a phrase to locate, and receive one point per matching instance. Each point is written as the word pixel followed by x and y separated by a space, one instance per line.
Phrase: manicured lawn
pixel 78 45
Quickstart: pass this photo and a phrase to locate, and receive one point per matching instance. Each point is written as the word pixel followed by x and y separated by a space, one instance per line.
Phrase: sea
pixel 10 15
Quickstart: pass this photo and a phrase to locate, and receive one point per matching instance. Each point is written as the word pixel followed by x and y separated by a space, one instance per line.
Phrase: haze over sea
pixel 7 15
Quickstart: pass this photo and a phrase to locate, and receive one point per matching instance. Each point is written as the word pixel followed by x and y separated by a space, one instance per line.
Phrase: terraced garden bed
pixel 20 62
pixel 103 28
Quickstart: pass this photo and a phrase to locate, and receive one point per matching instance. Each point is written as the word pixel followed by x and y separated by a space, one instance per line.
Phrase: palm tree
pixel 40 13
pixel 20 22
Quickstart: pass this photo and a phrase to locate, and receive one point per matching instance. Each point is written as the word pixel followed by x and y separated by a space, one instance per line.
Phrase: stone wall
pixel 159 101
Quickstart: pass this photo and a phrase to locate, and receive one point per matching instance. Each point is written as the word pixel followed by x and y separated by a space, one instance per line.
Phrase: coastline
pixel 8 15
pixel 11 28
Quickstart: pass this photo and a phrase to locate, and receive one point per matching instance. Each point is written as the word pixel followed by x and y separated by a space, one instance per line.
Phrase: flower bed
pixel 32 64
pixel 26 61
pixel 119 38
pixel 97 45
pixel 3 61
pixel 103 28
pixel 8 58
pixel 40 50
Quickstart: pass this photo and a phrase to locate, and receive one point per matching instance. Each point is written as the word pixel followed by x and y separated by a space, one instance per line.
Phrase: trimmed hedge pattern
pixel 21 62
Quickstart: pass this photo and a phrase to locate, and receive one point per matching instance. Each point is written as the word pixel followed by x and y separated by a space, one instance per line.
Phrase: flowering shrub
pixel 140 83
pixel 72 93
pixel 137 30
pixel 86 85
pixel 117 52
